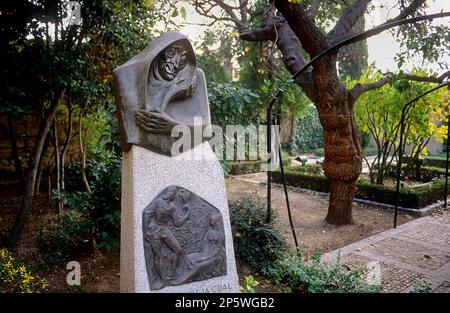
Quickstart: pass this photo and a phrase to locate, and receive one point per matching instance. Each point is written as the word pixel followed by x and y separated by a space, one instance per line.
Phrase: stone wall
pixel 27 129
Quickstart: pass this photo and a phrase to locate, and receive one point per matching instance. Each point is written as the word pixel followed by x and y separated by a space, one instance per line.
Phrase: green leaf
pixel 175 13
pixel 183 12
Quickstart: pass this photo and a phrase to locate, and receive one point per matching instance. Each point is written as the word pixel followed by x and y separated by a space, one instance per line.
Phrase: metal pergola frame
pixel 405 111
pixel 352 39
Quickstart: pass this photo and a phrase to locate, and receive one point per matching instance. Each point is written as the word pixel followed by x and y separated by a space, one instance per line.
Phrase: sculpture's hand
pixel 185 88
pixel 154 122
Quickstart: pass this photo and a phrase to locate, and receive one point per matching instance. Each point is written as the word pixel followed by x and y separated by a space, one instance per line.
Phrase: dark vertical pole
pixel 269 161
pixel 446 163
pixel 291 223
pixel 399 165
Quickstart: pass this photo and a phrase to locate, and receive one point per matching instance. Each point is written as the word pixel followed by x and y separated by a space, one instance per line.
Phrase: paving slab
pixel 413 252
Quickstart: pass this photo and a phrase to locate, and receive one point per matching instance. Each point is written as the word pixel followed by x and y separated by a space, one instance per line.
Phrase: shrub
pixel 65 232
pixel 16 277
pixel 314 277
pixel 408 197
pixel 313 169
pixel 320 152
pixel 307 134
pixel 100 209
pixel 245 167
pixel 257 242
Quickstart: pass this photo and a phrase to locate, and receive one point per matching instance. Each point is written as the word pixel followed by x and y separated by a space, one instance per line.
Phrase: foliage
pixel 16 277
pixel 65 232
pixel 314 169
pixel 308 133
pixel 421 286
pixel 232 104
pixel 378 112
pixel 313 277
pixel 257 242
pixel 101 208
pixel 249 285
pixel 415 198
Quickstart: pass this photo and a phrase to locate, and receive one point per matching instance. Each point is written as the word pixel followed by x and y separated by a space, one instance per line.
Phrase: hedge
pixel 410 198
pixel 425 174
pixel 428 161
pixel 246 167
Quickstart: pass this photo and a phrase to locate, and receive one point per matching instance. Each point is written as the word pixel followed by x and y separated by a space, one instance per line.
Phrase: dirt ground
pixel 309 212
pixel 100 270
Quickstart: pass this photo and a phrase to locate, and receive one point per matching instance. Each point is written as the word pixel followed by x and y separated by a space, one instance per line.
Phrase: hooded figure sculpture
pixel 157 89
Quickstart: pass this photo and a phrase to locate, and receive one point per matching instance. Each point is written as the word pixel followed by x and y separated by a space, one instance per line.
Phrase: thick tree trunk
pixel 27 200
pixel 343 157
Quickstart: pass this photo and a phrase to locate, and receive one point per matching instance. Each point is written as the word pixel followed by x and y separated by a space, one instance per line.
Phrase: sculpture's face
pixel 173 60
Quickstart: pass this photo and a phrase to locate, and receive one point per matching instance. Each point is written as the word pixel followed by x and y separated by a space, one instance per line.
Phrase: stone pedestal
pixel 144 175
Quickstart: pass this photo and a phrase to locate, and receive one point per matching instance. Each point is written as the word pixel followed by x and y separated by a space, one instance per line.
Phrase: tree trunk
pixel 83 153
pixel 27 200
pixel 41 166
pixel 66 144
pixel 343 156
pixel 57 161
pixel 15 152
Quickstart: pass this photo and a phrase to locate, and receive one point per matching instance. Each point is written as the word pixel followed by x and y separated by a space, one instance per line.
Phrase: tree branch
pixel 431 79
pixel 276 29
pixel 359 89
pixel 348 18
pixel 409 10
pixel 312 39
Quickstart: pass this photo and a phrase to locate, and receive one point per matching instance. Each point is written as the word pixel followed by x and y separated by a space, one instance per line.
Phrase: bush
pixel 65 232
pixel 408 197
pixel 307 134
pixel 16 277
pixel 423 173
pixel 257 242
pixel 430 161
pixel 320 152
pixel 314 277
pixel 314 169
pixel 245 167
pixel 99 210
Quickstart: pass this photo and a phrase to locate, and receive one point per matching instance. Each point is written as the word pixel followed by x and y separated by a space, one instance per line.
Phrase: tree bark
pixel 27 200
pixel 57 160
pixel 66 143
pixel 41 167
pixel 83 154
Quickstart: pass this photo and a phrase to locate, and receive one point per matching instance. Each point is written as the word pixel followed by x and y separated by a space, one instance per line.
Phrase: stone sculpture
pixel 157 89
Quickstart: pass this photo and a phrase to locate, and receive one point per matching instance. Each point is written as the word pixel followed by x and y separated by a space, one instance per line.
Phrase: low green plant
pixel 65 232
pixel 16 277
pixel 421 286
pixel 249 284
pixel 257 242
pixel 313 277
pixel 100 209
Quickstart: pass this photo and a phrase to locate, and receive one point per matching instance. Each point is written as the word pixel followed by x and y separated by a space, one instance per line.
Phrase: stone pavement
pixel 415 251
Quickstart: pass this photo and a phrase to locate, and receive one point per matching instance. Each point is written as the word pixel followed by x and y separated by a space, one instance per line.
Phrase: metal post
pixel 446 163
pixel 399 164
pixel 269 161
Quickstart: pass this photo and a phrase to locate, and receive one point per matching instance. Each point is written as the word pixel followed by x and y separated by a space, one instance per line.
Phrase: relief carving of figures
pixel 184 239
pixel 157 89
